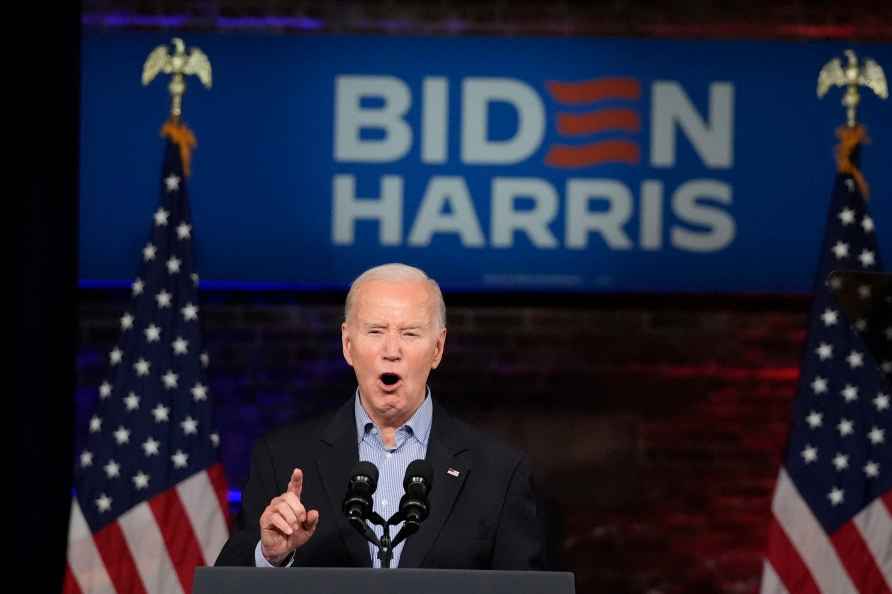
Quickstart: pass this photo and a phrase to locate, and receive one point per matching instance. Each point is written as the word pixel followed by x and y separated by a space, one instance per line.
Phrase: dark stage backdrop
pixel 655 425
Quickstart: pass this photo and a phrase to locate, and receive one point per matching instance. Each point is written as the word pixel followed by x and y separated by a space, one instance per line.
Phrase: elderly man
pixel 483 513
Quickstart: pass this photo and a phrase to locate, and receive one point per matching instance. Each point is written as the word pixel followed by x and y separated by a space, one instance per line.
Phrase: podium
pixel 312 580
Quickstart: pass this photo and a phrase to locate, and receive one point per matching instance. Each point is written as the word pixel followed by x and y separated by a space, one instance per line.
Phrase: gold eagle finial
pixel 179 65
pixel 854 74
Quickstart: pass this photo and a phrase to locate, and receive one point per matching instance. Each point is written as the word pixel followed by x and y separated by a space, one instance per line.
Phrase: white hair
pixel 397 272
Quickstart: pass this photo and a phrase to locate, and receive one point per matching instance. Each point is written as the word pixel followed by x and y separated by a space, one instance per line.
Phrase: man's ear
pixel 345 344
pixel 439 349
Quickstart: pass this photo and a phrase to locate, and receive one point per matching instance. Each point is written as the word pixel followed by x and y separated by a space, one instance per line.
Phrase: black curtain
pixel 43 112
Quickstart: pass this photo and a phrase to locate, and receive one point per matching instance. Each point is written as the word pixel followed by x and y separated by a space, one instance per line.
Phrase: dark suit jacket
pixel 484 518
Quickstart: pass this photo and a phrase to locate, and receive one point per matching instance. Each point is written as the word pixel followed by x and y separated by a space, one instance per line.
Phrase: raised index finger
pixel 296 484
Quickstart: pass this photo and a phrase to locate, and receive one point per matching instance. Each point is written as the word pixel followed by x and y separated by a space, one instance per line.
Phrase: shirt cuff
pixel 261 561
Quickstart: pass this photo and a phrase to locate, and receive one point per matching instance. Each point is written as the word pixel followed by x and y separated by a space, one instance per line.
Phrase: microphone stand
pixel 385 544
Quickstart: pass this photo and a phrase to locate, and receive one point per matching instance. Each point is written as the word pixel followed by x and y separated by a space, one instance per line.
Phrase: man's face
pixel 392 340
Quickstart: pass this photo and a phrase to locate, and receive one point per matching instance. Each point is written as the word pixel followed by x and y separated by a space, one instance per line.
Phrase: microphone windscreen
pixel 369 470
pixel 422 469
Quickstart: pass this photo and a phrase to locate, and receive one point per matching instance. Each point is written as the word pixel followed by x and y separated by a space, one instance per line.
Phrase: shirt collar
pixel 419 423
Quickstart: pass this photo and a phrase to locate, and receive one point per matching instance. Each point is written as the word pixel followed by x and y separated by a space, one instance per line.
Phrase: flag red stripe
pixel 70 585
pixel 787 562
pixel 608 151
pixel 118 561
pixel 887 500
pixel 221 489
pixel 858 560
pixel 179 536
pixel 577 93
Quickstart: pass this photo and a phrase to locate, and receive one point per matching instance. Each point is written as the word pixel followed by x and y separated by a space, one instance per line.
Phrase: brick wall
pixel 655 425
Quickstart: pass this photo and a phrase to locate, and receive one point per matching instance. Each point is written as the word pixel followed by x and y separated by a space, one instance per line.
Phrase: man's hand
pixel 285 525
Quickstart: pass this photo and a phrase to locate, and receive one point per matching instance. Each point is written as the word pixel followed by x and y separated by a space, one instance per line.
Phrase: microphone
pixel 358 499
pixel 415 506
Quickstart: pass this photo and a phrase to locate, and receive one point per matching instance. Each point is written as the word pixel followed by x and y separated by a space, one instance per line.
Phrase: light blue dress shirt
pixel 411 444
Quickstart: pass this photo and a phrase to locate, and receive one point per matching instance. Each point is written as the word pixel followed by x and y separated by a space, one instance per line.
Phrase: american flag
pixel 831 527
pixel 150 496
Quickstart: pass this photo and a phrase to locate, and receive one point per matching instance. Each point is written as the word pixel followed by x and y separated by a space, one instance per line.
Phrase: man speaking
pixel 482 509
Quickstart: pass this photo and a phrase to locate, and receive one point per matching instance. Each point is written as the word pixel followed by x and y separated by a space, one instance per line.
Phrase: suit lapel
pixel 451 469
pixel 338 454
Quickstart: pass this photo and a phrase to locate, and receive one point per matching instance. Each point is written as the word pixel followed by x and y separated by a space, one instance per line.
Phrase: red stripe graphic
pixel 221 489
pixel 858 560
pixel 887 500
pixel 608 151
pixel 118 561
pixel 594 122
pixel 787 563
pixel 179 537
pixel 70 585
pixel 598 89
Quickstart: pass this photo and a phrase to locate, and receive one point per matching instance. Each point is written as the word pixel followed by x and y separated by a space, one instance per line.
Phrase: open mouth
pixel 390 379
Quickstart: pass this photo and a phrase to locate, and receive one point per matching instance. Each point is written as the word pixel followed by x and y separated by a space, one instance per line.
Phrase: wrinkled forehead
pixel 397 300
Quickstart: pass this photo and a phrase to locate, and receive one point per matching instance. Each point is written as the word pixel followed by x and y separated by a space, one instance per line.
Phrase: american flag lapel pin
pixel 453 472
